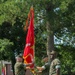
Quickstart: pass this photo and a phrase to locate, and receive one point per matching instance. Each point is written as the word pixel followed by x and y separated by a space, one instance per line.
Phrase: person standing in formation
pixel 20 67
pixel 54 64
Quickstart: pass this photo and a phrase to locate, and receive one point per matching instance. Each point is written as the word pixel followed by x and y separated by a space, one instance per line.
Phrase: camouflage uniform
pixel 54 64
pixel 19 68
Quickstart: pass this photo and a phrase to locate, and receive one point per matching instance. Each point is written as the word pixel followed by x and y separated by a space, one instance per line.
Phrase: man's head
pixel 19 58
pixel 53 54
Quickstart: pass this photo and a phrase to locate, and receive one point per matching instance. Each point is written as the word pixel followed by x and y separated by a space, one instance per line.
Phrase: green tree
pixel 6 49
pixel 53 19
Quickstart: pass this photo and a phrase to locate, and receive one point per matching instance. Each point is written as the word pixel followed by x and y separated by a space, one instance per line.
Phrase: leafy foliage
pixel 59 13
pixel 66 55
pixel 5 49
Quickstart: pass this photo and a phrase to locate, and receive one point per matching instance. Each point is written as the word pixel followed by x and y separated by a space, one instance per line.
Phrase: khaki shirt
pixel 19 68
pixel 54 64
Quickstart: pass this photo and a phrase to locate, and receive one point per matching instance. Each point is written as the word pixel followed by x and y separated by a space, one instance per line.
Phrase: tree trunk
pixel 50 39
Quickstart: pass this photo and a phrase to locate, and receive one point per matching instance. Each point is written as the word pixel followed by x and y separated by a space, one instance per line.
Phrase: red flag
pixel 29 47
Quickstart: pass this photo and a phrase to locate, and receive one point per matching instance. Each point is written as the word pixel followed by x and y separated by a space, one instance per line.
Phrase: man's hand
pixel 40 69
pixel 27 67
pixel 29 64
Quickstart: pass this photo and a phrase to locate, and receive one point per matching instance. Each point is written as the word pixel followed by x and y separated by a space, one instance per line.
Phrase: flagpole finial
pixel 32 7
